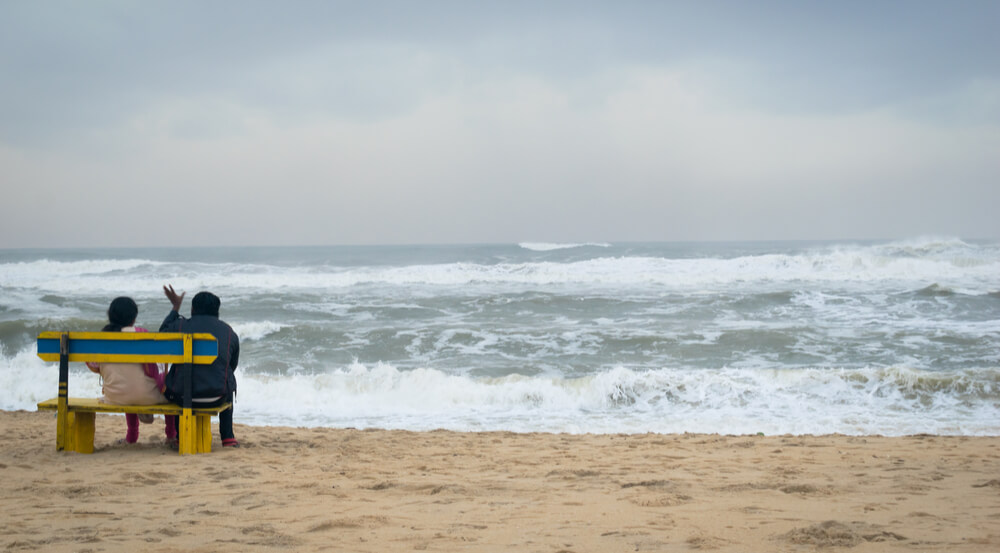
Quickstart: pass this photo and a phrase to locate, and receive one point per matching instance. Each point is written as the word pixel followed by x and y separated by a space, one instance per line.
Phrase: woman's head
pixel 121 313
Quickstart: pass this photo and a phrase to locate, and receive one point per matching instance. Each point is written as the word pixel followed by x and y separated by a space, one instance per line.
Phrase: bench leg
pixel 62 421
pixel 80 432
pixel 187 433
pixel 194 433
pixel 204 424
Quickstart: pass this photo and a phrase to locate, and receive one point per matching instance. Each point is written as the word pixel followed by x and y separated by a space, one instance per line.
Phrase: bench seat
pixel 82 413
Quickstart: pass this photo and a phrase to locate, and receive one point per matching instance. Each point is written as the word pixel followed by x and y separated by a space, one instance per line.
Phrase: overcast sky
pixel 270 123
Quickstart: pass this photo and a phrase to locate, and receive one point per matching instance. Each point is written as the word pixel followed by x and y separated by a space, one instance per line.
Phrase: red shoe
pixel 230 442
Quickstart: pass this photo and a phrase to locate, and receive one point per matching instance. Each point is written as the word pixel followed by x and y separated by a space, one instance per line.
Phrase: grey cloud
pixel 86 65
pixel 434 121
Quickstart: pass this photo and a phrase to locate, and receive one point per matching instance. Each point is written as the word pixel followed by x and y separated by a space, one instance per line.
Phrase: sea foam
pixel 850 401
pixel 256 330
pixel 889 400
pixel 549 246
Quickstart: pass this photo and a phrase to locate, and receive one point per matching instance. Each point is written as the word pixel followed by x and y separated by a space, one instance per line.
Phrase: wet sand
pixel 301 489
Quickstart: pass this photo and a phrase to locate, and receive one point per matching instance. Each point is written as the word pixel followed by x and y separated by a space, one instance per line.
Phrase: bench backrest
pixel 130 347
pixel 127 347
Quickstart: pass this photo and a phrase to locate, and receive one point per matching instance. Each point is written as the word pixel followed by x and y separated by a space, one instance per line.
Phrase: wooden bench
pixel 75 417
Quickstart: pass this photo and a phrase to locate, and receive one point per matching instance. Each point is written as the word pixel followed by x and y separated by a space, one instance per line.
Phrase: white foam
pixel 59 275
pixel 549 246
pixel 466 340
pixel 951 265
pixel 26 380
pixel 922 246
pixel 256 330
pixel 889 401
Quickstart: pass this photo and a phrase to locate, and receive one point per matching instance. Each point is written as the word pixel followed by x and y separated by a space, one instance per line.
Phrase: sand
pixel 299 489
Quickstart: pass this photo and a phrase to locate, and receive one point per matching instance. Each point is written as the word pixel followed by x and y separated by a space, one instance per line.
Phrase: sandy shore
pixel 295 489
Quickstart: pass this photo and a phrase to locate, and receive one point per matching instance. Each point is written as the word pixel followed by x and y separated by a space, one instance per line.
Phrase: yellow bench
pixel 75 417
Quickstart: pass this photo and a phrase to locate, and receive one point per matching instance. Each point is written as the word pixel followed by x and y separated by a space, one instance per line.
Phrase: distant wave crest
pixel 550 246
pixel 22 273
pixel 954 266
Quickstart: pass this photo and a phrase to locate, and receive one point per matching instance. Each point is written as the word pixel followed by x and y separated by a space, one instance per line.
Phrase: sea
pixel 853 337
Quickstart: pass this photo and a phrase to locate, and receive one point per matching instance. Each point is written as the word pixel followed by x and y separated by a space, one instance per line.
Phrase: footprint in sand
pixel 834 533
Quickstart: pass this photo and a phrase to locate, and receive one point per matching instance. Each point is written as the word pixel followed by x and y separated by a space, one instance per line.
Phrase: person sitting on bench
pixel 131 383
pixel 213 384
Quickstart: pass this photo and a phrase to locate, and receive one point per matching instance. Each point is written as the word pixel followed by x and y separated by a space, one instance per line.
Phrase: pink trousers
pixel 132 434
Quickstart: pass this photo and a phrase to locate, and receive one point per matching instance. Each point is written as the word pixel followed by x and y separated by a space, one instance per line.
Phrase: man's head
pixel 205 303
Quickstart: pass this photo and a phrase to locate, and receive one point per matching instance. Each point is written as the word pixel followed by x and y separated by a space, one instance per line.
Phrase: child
pixel 131 383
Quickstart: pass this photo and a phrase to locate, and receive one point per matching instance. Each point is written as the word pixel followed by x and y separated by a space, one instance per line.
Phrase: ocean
pixel 880 337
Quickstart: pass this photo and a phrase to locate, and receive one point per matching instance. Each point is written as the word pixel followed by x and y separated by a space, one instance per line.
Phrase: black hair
pixel 205 303
pixel 121 313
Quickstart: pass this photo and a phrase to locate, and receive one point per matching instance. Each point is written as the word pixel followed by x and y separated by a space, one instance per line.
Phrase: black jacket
pixel 217 379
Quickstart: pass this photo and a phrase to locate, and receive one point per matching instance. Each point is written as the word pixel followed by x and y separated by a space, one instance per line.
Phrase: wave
pixel 548 246
pixel 923 246
pixel 894 400
pixel 890 400
pixel 952 265
pixel 30 271
pixel 628 271
pixel 936 291
pixel 256 330
pixel 27 380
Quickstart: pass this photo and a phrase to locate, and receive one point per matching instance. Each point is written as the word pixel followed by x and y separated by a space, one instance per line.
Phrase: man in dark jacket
pixel 213 384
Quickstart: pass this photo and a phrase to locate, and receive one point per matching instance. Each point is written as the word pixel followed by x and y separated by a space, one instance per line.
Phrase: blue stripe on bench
pixel 126 347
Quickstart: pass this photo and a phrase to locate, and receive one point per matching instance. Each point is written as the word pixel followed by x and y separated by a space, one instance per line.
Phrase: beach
pixel 330 489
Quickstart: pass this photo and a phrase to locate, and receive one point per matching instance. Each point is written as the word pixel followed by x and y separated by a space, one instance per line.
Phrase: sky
pixel 228 123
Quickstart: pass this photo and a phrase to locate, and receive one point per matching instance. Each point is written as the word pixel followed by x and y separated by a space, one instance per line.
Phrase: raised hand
pixel 175 298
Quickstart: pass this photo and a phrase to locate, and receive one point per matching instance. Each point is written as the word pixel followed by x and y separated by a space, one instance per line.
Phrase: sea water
pixel 889 338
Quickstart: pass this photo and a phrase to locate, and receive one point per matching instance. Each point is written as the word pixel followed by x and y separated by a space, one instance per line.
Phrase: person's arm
pixel 171 322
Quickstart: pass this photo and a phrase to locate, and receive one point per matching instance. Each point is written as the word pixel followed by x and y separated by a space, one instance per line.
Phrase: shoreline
pixel 329 489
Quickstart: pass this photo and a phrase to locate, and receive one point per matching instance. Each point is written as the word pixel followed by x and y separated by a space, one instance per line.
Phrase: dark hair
pixel 121 313
pixel 205 303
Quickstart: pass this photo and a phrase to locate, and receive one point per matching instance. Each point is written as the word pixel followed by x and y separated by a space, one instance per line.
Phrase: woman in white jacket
pixel 131 383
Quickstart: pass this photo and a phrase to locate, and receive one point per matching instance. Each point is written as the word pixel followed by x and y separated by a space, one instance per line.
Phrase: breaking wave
pixel 549 246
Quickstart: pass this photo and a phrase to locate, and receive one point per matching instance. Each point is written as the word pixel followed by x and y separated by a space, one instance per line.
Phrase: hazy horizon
pixel 531 244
